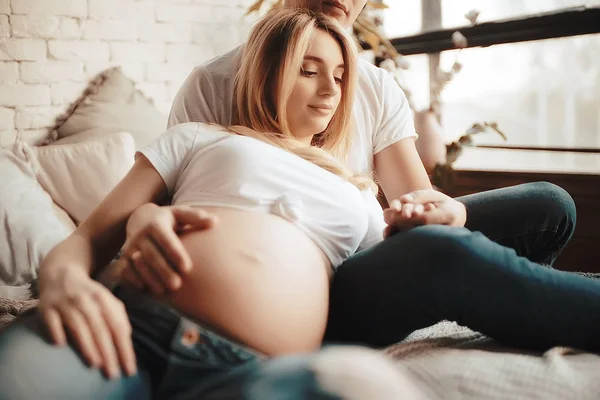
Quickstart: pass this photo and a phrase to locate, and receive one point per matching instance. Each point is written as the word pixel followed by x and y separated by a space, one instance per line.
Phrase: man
pixel 368 297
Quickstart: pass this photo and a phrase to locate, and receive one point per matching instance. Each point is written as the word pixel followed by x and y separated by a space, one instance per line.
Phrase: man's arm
pixel 400 171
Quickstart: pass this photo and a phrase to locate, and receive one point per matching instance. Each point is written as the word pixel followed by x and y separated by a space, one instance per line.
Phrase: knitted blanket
pixel 10 309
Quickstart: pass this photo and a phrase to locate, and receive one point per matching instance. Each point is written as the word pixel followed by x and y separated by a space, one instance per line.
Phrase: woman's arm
pixel 71 302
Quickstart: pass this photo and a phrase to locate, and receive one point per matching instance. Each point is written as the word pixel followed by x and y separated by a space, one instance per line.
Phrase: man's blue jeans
pixel 486 276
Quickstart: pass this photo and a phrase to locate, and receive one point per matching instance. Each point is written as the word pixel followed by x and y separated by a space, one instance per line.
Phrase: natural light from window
pixel 541 93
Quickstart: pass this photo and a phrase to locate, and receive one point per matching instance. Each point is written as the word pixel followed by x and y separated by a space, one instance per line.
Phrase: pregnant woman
pixel 284 213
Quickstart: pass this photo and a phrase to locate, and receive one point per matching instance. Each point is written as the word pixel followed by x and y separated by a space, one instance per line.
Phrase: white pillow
pixel 30 228
pixel 78 176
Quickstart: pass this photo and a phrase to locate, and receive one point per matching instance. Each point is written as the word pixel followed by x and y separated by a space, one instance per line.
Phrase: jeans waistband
pixel 185 334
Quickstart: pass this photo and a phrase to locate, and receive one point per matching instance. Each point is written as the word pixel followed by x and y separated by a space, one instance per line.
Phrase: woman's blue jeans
pixel 486 276
pixel 182 359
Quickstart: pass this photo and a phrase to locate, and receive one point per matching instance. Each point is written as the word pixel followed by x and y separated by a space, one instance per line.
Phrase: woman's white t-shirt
pixel 204 165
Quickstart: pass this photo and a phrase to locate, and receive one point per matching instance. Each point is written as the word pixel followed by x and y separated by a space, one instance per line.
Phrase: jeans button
pixel 190 337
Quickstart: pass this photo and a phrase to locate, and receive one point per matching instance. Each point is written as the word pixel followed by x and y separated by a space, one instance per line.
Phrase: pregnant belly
pixel 259 279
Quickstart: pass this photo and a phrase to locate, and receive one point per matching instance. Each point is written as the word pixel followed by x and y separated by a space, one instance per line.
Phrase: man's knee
pixel 553 200
pixel 435 247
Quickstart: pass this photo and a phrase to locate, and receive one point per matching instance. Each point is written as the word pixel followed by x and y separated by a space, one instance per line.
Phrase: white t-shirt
pixel 204 165
pixel 381 111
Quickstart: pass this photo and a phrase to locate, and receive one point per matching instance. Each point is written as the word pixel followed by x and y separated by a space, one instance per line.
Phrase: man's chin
pixel 339 16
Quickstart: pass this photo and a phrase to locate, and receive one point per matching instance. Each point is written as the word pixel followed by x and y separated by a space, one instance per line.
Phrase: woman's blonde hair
pixel 271 64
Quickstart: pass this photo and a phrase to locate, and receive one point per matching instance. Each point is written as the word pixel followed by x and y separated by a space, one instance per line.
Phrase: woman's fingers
pixel 194 218
pixel 407 210
pixel 156 254
pixel 92 318
pixel 129 275
pixel 80 332
pixel 115 315
pixel 403 216
pixel 167 239
pixel 54 324
pixel 99 325
pixel 103 338
pixel 418 210
pixel 151 280
pixel 154 260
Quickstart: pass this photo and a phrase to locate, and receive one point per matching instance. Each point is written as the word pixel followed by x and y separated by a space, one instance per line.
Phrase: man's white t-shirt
pixel 381 111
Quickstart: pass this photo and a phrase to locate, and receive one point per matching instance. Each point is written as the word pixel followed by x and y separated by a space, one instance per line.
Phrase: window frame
pixel 572 21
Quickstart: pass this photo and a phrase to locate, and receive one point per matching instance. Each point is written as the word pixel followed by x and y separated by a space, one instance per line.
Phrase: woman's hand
pixel 153 256
pixel 423 207
pixel 73 304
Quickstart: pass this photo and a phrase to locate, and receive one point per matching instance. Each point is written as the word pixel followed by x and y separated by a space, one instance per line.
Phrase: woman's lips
pixel 321 110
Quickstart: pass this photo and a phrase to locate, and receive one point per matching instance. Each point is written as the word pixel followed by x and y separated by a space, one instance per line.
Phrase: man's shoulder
pixel 225 64
pixel 370 73
pixel 371 81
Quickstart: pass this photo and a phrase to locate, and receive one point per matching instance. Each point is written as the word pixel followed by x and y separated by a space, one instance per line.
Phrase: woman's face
pixel 318 88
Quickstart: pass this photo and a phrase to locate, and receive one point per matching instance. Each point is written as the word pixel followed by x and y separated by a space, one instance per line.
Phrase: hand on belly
pixel 153 257
pixel 258 279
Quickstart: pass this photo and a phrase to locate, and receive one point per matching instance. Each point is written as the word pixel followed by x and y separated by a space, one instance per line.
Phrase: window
pixel 453 11
pixel 542 93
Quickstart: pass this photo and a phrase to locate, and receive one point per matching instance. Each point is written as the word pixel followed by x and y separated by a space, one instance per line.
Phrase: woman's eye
pixel 308 73
pixel 338 80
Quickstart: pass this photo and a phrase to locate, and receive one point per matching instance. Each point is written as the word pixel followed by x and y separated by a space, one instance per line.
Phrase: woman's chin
pixel 311 131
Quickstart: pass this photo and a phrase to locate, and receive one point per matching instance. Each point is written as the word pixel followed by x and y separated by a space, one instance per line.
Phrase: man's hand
pixel 153 255
pixel 423 207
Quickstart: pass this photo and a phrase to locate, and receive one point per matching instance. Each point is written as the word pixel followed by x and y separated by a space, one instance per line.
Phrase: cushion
pixel 111 104
pixel 79 175
pixel 30 227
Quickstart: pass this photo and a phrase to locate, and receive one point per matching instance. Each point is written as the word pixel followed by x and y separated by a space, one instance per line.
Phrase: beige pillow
pixel 63 217
pixel 30 225
pixel 111 104
pixel 78 176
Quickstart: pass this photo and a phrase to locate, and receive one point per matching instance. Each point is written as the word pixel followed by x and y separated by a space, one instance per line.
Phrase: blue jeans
pixel 486 276
pixel 178 358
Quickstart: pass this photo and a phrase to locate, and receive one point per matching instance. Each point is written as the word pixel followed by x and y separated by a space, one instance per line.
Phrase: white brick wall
pixel 4 6
pixel 44 27
pixel 9 73
pixel 49 50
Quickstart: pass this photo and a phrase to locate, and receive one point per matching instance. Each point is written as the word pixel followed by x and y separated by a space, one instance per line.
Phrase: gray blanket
pixel 447 361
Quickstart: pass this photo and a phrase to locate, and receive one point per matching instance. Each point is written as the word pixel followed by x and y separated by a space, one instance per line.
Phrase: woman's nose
pixel 328 87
